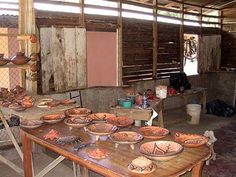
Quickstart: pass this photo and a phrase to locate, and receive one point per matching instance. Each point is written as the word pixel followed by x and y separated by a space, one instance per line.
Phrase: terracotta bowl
pixel 153 132
pixel 4 61
pixel 161 150
pixel 52 118
pixel 77 122
pixel 126 137
pixel 120 121
pixel 101 129
pixel 190 140
pixel 31 123
pixel 75 112
pixel 100 116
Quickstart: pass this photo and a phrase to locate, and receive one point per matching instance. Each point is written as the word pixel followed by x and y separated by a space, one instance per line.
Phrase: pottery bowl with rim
pixel 126 137
pixel 53 118
pixel 161 150
pixel 121 121
pixel 75 112
pixel 153 132
pixel 77 122
pixel 100 116
pixel 101 129
pixel 31 123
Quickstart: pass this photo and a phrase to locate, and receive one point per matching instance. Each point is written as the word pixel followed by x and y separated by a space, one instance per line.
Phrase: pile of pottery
pixel 15 99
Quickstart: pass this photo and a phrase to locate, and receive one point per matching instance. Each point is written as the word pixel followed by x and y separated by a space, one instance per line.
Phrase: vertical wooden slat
pixel 82 16
pixel 155 41
pixel 181 38
pixel 120 41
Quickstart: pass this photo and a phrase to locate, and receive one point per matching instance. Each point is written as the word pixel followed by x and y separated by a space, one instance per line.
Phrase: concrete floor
pixel 175 120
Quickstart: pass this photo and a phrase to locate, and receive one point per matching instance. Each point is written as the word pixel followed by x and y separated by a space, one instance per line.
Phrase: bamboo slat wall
pixel 63 59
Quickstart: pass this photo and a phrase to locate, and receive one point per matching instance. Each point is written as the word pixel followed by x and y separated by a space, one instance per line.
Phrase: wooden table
pixel 115 165
pixel 140 114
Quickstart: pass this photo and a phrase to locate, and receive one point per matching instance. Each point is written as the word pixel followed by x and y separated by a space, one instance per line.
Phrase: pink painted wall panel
pixel 102 58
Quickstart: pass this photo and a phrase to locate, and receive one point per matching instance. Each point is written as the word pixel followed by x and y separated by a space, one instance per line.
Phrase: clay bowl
pixel 120 121
pixel 98 117
pixel 75 112
pixel 17 107
pixel 53 118
pixel 142 165
pixel 20 59
pixel 161 150
pixel 126 137
pixel 190 140
pixel 153 132
pixel 31 123
pixel 77 122
pixel 101 129
pixel 67 102
pixel 3 61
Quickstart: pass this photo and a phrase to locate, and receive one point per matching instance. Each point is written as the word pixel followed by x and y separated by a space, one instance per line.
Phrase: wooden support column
pixel 200 22
pixel 27 27
pixel 155 41
pixel 120 41
pixel 181 38
pixel 82 17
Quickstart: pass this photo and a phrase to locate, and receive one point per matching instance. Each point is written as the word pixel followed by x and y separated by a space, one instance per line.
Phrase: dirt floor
pixel 175 120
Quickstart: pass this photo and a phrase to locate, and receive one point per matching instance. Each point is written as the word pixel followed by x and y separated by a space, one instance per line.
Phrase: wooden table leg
pixel 197 170
pixel 160 118
pixel 84 172
pixel 204 101
pixel 27 155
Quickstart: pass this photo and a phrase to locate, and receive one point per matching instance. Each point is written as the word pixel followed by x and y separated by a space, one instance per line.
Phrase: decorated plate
pixel 190 140
pixel 153 132
pixel 101 129
pixel 77 122
pixel 53 118
pixel 97 117
pixel 126 137
pixel 31 123
pixel 120 121
pixel 97 153
pixel 75 112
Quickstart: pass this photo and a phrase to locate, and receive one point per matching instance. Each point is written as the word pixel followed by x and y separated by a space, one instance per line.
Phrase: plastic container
pixel 127 104
pixel 161 91
pixel 194 110
pixel 120 101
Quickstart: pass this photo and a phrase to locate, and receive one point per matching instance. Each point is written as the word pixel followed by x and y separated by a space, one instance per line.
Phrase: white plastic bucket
pixel 194 110
pixel 161 91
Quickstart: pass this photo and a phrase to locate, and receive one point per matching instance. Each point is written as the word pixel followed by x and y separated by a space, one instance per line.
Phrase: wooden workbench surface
pixel 117 162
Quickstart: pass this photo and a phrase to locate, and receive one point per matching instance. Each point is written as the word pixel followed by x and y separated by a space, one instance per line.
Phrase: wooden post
pixel 181 38
pixel 120 41
pixel 155 41
pixel 27 27
pixel 82 17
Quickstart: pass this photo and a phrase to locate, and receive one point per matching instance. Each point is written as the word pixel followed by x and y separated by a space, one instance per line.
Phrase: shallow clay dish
pixel 120 121
pixel 161 150
pixel 142 165
pixel 31 123
pixel 126 137
pixel 16 107
pixel 190 140
pixel 77 122
pixel 53 118
pixel 153 132
pixel 97 117
pixel 67 102
pixel 75 112
pixel 97 153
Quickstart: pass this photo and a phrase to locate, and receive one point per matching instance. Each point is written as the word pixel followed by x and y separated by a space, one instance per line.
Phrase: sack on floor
pixel 220 108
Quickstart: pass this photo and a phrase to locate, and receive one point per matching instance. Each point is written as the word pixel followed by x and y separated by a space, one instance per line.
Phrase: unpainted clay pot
pixel 20 59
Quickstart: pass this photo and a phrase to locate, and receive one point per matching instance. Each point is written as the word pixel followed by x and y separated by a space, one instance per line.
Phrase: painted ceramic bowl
pixel 75 112
pixel 101 129
pixel 3 61
pixel 53 118
pixel 126 137
pixel 190 140
pixel 153 132
pixel 31 123
pixel 77 122
pixel 120 121
pixel 97 117
pixel 161 150
pixel 142 165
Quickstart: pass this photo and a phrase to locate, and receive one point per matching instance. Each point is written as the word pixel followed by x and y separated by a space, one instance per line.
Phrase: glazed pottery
pixel 153 132
pixel 120 121
pixel 20 59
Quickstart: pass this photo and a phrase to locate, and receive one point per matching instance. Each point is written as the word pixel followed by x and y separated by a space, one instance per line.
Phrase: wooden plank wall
pixel 63 59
